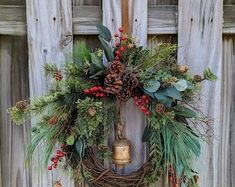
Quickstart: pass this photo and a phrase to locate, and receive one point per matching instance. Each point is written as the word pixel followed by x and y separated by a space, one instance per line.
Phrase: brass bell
pixel 121 153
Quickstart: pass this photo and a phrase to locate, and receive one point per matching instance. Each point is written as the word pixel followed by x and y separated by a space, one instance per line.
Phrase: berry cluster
pixel 142 103
pixel 97 91
pixel 57 158
pixel 118 44
pixel 172 177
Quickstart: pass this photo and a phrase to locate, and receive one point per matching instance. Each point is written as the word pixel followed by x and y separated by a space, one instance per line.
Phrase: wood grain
pixel 200 45
pixel 162 2
pixel 50 40
pixel 13 87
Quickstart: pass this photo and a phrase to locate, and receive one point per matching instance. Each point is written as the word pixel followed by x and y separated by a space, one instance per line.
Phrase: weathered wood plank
pixel 50 39
pixel 200 45
pixel 12 20
pixel 162 2
pixel 14 87
pixel 87 2
pixel 229 19
pixel 162 19
pixel 85 19
pixel 228 100
pixel 12 2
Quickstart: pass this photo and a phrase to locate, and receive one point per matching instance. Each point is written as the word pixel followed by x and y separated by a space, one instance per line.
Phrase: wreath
pixel 83 103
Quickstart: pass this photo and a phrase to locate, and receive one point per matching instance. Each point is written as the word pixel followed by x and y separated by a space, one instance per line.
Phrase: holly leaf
pixel 173 93
pixel 70 140
pixel 181 85
pixel 185 112
pixel 209 75
pixel 104 32
pixel 152 85
pixel 107 49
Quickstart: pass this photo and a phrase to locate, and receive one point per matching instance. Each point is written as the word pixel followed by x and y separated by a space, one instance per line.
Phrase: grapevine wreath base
pixel 106 177
pixel 83 103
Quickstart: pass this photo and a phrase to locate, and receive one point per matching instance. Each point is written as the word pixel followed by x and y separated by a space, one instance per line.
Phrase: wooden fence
pixel 33 32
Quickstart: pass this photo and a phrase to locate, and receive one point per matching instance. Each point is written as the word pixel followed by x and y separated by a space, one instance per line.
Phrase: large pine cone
pixel 116 67
pixel 130 82
pixel 113 83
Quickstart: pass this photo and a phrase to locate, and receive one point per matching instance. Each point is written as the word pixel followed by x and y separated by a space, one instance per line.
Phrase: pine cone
pixel 113 83
pixel 22 105
pixel 197 78
pixel 160 109
pixel 130 82
pixel 91 111
pixel 53 120
pixel 57 184
pixel 58 76
pixel 116 67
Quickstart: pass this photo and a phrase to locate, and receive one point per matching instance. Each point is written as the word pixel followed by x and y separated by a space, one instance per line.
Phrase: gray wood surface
pixel 200 45
pixel 13 87
pixel 50 39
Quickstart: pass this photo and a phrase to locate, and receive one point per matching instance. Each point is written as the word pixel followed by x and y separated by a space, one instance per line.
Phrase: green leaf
pixel 185 112
pixel 97 75
pixel 181 85
pixel 190 85
pixel 70 140
pixel 152 85
pixel 173 93
pixel 96 64
pixel 161 96
pixel 146 134
pixel 80 147
pixel 209 75
pixel 104 32
pixel 107 49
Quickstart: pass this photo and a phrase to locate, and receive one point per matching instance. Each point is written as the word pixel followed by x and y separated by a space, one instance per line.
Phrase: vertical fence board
pixel 14 87
pixel 200 45
pixel 50 41
pixel 228 109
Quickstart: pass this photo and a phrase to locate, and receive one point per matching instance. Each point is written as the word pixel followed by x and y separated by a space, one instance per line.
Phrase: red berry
pixel 122 48
pixel 120 29
pixel 117 44
pixel 97 95
pixel 62 145
pixel 143 108
pixel 58 152
pixel 52 159
pixel 57 157
pixel 144 97
pixel 61 154
pixel 117 52
pixel 100 88
pixel 135 98
pixel 124 38
pixel 116 35
pixel 86 91
pixel 102 95
pixel 147 113
pixel 147 101
pixel 49 168
pixel 95 89
pixel 55 161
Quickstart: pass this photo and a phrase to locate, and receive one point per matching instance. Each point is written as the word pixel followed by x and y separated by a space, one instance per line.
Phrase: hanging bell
pixel 121 153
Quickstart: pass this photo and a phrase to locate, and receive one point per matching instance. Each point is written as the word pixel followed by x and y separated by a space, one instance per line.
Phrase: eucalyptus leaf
pixel 190 85
pixel 161 96
pixel 181 85
pixel 96 64
pixel 104 32
pixel 152 85
pixel 173 93
pixel 70 140
pixel 107 49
